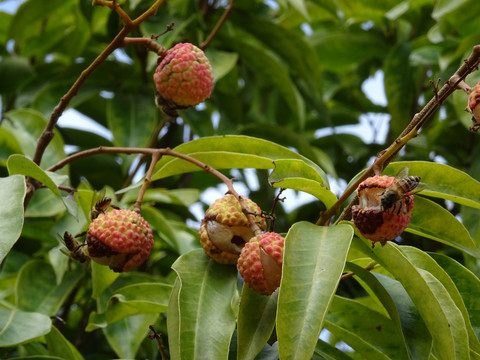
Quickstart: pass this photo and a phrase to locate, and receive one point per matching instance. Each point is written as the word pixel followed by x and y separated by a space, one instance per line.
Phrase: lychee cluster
pixel 371 219
pixel 225 228
pixel 226 237
pixel 184 77
pixel 119 238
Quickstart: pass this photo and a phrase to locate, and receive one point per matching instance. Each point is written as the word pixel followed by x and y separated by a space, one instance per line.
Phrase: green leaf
pixel 126 336
pixel 342 51
pixel 288 44
pixel 256 320
pixel 314 259
pixel 222 62
pixel 423 261
pixel 434 222
pixel 442 181
pixel 30 16
pixel 132 119
pixel 27 126
pixel 442 317
pixel 138 299
pixel 467 284
pixel 443 7
pixel 102 278
pixel 8 146
pixel 14 72
pixel 399 87
pixel 59 346
pixel 380 338
pixel 19 164
pixel 297 175
pixel 384 299
pixel 268 66
pixel 37 289
pixel 329 352
pixel 12 192
pixel 227 152
pixel 18 327
pixel 416 334
pixel 207 299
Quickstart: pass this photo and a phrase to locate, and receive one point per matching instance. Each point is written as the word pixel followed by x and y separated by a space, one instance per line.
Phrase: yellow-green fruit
pixel 225 228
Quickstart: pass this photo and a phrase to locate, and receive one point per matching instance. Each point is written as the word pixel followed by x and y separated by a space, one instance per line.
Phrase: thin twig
pixel 217 27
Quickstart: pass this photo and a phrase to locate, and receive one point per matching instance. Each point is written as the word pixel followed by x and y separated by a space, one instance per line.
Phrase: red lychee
pixel 260 263
pixel 119 238
pixel 369 216
pixel 184 76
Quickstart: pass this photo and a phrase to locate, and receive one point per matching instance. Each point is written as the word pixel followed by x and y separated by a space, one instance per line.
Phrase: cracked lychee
pixel 372 219
pixel 225 228
pixel 119 238
pixel 473 107
pixel 260 263
pixel 184 77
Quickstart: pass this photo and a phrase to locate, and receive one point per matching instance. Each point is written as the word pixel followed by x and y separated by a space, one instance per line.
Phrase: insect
pixel 392 195
pixel 75 249
pixel 100 203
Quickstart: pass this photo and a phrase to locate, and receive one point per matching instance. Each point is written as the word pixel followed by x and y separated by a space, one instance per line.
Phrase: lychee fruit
pixel 260 262
pixel 183 77
pixel 225 228
pixel 119 238
pixel 373 219
pixel 473 101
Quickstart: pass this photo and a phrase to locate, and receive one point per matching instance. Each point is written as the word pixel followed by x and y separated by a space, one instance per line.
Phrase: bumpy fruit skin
pixel 260 263
pixel 225 229
pixel 119 238
pixel 473 106
pixel 371 220
pixel 184 76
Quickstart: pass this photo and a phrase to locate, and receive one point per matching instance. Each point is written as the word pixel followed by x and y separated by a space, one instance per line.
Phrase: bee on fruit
pixel 100 203
pixel 404 186
pixel 75 249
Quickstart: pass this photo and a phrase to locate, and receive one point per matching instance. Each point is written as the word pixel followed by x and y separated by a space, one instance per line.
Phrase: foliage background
pixel 291 72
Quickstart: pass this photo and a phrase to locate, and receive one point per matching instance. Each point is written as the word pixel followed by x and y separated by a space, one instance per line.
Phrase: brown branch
pixel 156 155
pixel 217 27
pixel 420 119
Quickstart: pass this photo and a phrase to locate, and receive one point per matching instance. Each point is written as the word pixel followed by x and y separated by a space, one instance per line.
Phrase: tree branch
pixel 420 119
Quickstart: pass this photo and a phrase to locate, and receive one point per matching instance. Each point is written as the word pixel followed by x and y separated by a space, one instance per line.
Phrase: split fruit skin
pixel 371 220
pixel 225 228
pixel 184 76
pixel 119 238
pixel 260 263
